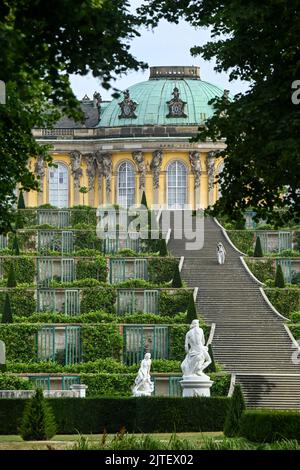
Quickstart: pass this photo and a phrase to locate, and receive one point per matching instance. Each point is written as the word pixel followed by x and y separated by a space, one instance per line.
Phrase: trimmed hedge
pixel 262 269
pixel 96 269
pixel 24 268
pixel 139 415
pixel 22 301
pixel 12 382
pixel 19 341
pixel 270 425
pixel 98 299
pixel 101 341
pixel 161 270
pixel 242 239
pixel 285 300
pixel 172 303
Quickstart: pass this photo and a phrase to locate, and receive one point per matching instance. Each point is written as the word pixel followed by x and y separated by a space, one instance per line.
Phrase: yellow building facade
pixel 138 142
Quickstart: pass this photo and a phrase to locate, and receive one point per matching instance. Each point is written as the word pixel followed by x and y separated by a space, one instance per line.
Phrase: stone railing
pixel 76 391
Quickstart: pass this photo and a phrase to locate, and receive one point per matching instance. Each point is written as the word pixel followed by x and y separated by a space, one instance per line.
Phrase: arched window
pixel 59 185
pixel 126 184
pixel 220 170
pixel 177 184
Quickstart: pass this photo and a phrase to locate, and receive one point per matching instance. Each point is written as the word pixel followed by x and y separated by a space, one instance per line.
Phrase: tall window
pixel 220 170
pixel 177 184
pixel 126 184
pixel 59 185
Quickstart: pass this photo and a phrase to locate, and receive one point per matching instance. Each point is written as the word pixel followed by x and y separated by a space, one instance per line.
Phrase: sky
pixel 168 44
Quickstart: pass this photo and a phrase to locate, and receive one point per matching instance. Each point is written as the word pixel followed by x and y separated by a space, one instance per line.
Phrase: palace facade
pixel 138 142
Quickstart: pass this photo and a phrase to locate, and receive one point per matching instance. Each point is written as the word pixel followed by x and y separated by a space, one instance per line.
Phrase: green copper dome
pixel 151 97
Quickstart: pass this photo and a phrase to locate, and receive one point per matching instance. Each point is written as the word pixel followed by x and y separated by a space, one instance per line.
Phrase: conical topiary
pixel 212 366
pixel 21 202
pixel 258 253
pixel 279 277
pixel 15 246
pixel 176 282
pixel 191 311
pixel 7 312
pixel 234 414
pixel 38 422
pixel 144 200
pixel 163 251
pixel 11 278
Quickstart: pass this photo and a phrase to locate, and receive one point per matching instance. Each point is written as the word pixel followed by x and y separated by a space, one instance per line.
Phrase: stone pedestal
pixel 196 386
pixel 80 390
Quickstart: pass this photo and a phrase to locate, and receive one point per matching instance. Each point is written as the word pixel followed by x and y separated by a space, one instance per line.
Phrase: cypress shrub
pixel 176 282
pixel 235 411
pixel 212 367
pixel 144 200
pixel 11 279
pixel 163 251
pixel 38 422
pixel 258 253
pixel 7 312
pixel 191 311
pixel 279 277
pixel 21 202
pixel 15 246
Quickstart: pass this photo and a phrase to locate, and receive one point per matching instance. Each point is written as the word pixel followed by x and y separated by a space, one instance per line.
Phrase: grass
pixel 124 441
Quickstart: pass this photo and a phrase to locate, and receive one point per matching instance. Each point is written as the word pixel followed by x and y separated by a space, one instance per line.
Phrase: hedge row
pixel 98 341
pixel 285 301
pixel 23 302
pixel 270 425
pixel 243 240
pixel 262 268
pixel 139 415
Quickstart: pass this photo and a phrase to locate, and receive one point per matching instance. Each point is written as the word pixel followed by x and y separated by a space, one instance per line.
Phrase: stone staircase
pixel 250 339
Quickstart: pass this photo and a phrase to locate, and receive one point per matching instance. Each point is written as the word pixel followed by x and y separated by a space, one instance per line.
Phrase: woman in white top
pixel 221 253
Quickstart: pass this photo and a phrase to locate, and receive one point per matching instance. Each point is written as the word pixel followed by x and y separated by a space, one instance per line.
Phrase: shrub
pixel 258 253
pixel 295 317
pixel 212 367
pixel 38 422
pixel 96 269
pixel 279 278
pixel 191 310
pixel 19 341
pixel 161 269
pixel 12 382
pixel 7 313
pixel 270 425
pixel 176 281
pixel 98 299
pixel 108 384
pixel 173 303
pixel 149 414
pixel 163 251
pixel 22 301
pixel 235 411
pixel 144 200
pixel 101 341
pixel 15 246
pixel 242 239
pixel 11 279
pixel 285 301
pixel 21 202
pixel 83 215
pixel 262 269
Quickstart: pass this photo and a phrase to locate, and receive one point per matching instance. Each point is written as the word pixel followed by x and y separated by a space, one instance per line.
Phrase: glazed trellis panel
pixel 117 270
pixel 44 271
pixel 46 300
pixel 285 241
pixel 56 218
pixel 46 344
pixel 3 242
pixel 72 302
pixel 141 269
pixel 72 344
pixel 52 240
pixel 40 382
pixel 151 301
pixel 126 301
pixel 134 344
pixel 175 389
pixel 275 241
pixel 67 381
pixel 160 342
pixel 68 270
pixel 139 340
pixel 114 245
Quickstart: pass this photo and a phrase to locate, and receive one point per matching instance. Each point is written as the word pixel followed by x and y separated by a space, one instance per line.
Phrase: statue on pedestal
pixel 142 384
pixel 197 358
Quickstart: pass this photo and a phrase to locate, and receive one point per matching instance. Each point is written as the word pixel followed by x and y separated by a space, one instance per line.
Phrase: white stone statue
pixel 2 354
pixel 221 253
pixel 197 358
pixel 142 384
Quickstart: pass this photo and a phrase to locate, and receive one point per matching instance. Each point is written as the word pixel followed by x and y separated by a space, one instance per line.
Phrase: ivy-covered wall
pixel 19 341
pixel 100 341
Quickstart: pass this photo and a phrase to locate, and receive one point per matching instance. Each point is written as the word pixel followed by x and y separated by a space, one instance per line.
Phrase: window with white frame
pixel 126 184
pixel 177 184
pixel 59 185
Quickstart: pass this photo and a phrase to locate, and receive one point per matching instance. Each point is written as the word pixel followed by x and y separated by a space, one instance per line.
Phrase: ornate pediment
pixel 176 105
pixel 128 106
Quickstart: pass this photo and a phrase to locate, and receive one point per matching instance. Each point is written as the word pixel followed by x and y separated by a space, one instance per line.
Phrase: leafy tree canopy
pixel 42 43
pixel 257 42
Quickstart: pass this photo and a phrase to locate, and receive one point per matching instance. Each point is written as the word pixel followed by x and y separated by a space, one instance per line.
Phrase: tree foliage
pixel 38 422
pixel 258 43
pixel 42 43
